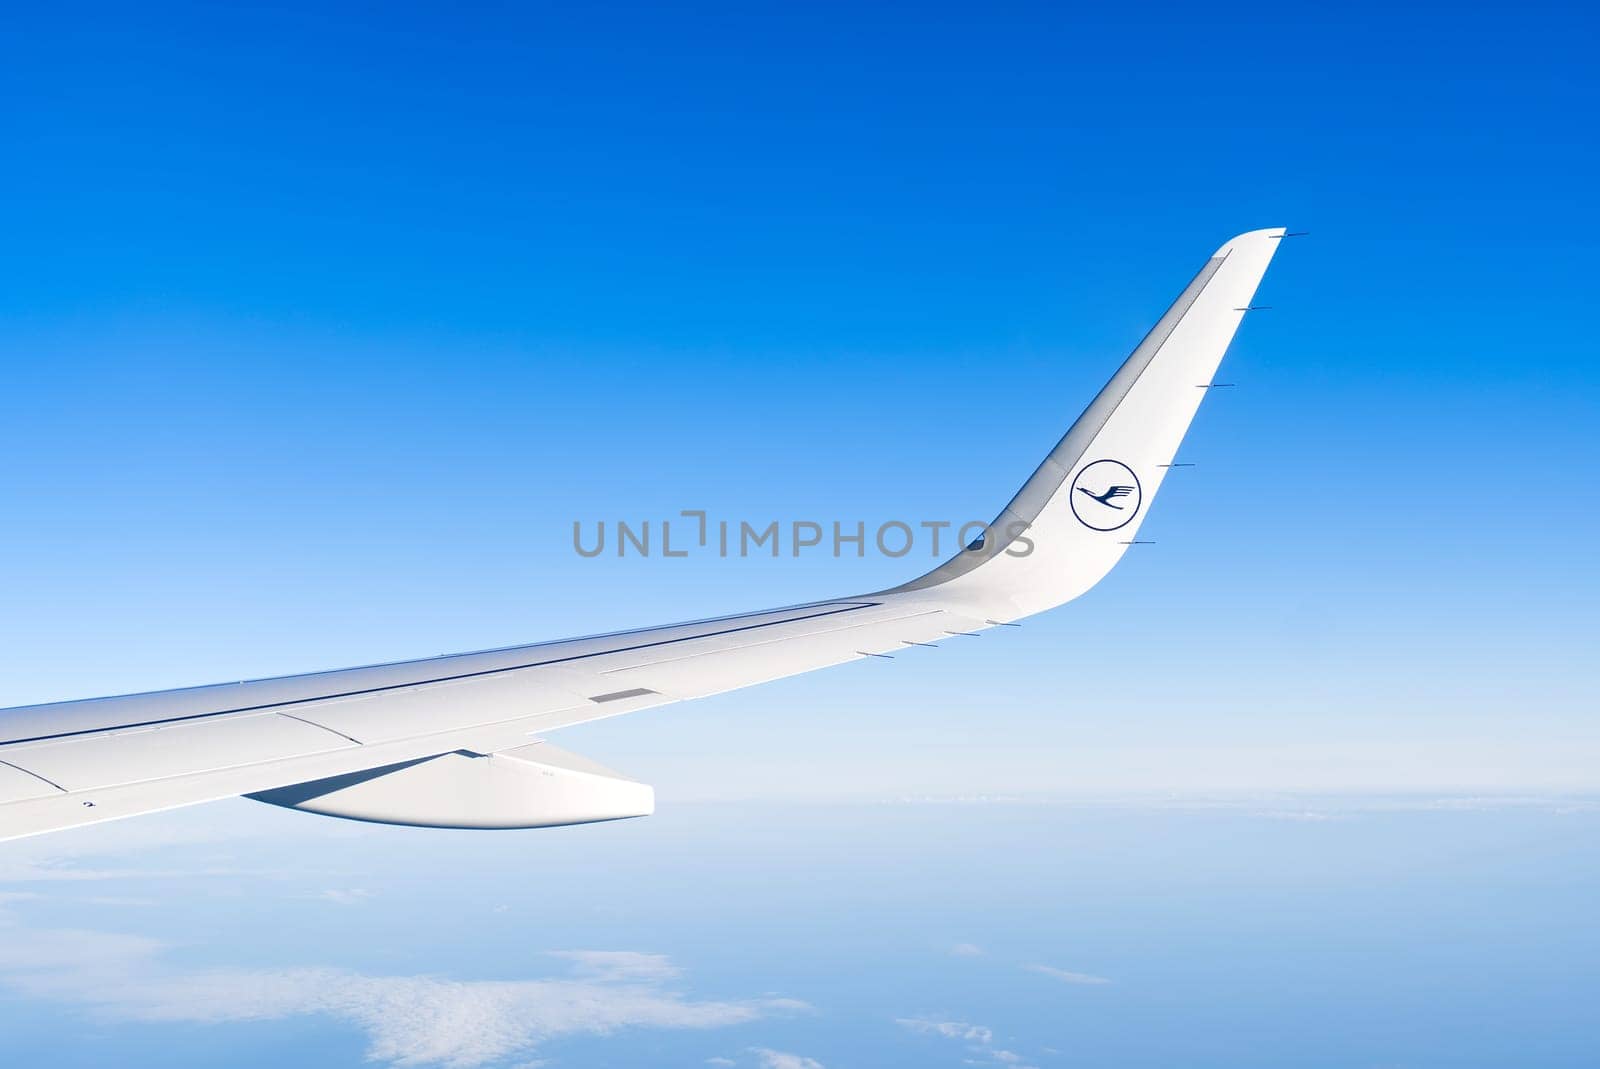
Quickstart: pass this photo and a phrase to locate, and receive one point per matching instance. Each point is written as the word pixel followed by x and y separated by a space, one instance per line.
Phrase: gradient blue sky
pixel 319 328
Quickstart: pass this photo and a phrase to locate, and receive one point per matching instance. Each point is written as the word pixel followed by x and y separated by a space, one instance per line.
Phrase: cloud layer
pixel 972 1033
pixel 979 1040
pixel 408 1020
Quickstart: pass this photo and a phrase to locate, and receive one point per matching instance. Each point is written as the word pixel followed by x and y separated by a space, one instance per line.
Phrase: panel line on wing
pixel 34 775
pixel 324 727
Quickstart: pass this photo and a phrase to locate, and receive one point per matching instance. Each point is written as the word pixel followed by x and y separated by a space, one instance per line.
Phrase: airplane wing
pixel 457 741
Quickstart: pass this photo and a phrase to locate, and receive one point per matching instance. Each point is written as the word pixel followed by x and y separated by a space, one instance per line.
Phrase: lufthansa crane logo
pixel 1106 495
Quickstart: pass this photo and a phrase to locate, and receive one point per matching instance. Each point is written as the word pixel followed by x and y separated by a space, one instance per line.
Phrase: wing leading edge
pixel 82 762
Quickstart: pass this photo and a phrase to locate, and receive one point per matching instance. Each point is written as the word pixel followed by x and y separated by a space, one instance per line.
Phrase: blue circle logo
pixel 1106 495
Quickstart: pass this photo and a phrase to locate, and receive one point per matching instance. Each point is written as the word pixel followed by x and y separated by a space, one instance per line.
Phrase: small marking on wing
pixel 618 695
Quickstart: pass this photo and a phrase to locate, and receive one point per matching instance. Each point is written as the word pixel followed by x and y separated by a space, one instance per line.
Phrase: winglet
pixel 1075 517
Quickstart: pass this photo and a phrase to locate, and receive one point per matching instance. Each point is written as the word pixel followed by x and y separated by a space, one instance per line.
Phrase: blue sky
pixel 321 327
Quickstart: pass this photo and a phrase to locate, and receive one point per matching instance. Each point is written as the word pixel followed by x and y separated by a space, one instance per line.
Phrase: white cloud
pixel 972 1033
pixel 1304 816
pixel 59 870
pixel 721 1061
pixel 967 950
pixel 119 900
pixel 978 1038
pixel 408 1020
pixel 347 896
pixel 618 965
pixel 1066 976
pixel 777 1059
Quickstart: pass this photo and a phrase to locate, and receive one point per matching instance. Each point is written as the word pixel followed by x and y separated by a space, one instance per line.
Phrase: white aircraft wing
pixel 456 741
